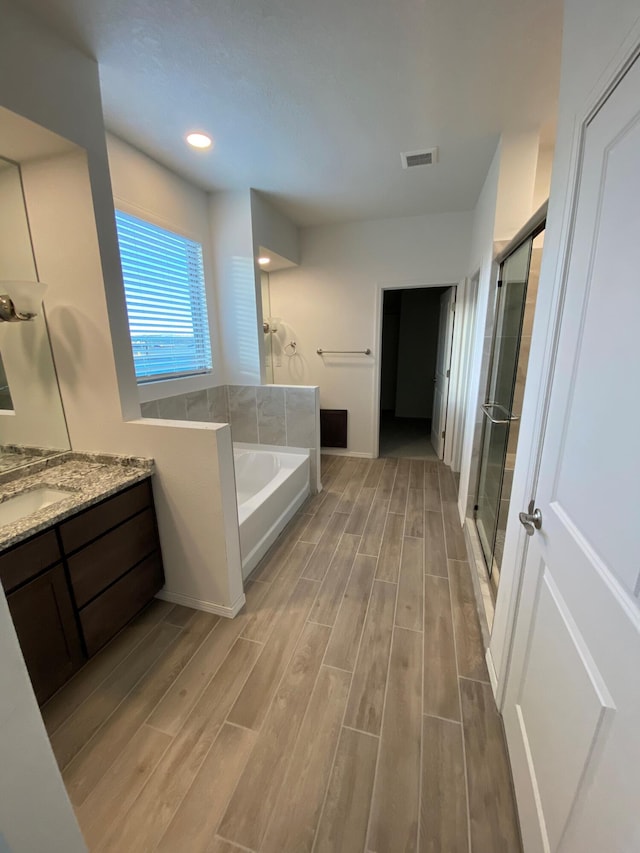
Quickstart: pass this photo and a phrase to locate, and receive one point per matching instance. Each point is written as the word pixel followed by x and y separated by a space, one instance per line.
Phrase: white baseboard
pixel 481 584
pixel 493 678
pixel 200 604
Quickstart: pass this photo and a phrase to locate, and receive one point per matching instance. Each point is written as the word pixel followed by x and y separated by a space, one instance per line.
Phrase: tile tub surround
pixel 243 413
pixel 337 711
pixel 209 405
pixel 282 415
pixel 88 479
pixel 273 414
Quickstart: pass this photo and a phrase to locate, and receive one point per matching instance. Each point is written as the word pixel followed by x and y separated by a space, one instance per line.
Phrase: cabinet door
pixel 46 627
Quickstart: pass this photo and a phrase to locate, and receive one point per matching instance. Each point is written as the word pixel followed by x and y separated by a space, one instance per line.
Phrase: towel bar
pixel 321 351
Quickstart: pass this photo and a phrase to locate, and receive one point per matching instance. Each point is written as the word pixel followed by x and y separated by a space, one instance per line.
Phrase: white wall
pixel 49 82
pixel 238 287
pixel 593 34
pixel 35 813
pixel 516 182
pixel 543 175
pixel 481 262
pixel 231 226
pixel 144 188
pixel 505 203
pixel 16 257
pixel 191 482
pixel 333 301
pixel 273 230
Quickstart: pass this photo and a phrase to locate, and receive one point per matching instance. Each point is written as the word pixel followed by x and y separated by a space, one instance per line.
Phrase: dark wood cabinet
pixel 79 530
pixel 28 559
pixel 98 565
pixel 45 622
pixel 120 602
pixel 73 587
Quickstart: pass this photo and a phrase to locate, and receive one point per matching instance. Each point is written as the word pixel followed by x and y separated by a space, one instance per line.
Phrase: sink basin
pixel 13 509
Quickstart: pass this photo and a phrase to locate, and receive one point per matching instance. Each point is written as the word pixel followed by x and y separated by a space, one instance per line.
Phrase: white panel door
pixel 572 699
pixel 443 366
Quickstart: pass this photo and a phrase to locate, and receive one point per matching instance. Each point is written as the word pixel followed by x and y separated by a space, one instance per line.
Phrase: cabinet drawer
pixel 109 612
pixel 108 558
pixel 29 559
pixel 95 521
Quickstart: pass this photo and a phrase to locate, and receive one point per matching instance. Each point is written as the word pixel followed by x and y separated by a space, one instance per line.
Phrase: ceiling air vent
pixel 419 158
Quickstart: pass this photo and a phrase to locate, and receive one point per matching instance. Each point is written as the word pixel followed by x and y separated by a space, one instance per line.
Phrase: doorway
pixel 515 308
pixel 416 351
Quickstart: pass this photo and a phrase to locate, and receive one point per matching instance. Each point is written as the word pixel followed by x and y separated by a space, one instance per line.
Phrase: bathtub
pixel 271 485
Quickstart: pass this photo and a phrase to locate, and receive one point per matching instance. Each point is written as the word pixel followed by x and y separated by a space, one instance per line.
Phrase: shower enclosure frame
pixel 496 405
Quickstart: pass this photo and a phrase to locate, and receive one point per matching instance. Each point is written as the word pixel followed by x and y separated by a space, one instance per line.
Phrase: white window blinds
pixel 166 300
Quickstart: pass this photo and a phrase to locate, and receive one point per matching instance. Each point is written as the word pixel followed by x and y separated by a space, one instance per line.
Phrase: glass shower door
pixel 497 408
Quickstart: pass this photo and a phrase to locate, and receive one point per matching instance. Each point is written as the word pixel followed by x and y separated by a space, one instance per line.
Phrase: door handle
pixel 532 519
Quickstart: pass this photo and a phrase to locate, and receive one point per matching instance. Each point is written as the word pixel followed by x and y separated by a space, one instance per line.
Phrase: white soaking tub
pixel 272 483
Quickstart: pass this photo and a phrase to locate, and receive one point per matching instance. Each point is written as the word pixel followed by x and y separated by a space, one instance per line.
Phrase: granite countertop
pixel 16 456
pixel 87 477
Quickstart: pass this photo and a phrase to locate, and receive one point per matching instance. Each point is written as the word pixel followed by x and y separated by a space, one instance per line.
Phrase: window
pixel 166 300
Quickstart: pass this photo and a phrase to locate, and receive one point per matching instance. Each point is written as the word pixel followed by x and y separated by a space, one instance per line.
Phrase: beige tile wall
pixel 280 415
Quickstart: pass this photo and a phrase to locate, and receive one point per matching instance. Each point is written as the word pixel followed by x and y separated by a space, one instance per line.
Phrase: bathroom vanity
pixel 78 568
pixel 79 550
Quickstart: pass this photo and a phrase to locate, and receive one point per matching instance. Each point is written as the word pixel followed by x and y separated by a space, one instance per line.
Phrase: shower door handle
pixel 485 409
pixel 490 405
pixel 531 520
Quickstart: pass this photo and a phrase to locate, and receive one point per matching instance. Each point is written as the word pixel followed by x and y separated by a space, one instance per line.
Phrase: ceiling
pixel 312 101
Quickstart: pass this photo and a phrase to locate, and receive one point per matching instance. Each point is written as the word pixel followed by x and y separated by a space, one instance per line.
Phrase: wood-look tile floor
pixel 346 708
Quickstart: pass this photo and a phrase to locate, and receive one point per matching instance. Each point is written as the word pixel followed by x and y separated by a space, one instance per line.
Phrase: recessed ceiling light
pixel 199 140
pixel 263 261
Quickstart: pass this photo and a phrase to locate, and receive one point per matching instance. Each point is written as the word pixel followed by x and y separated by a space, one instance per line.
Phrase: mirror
pixel 32 423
